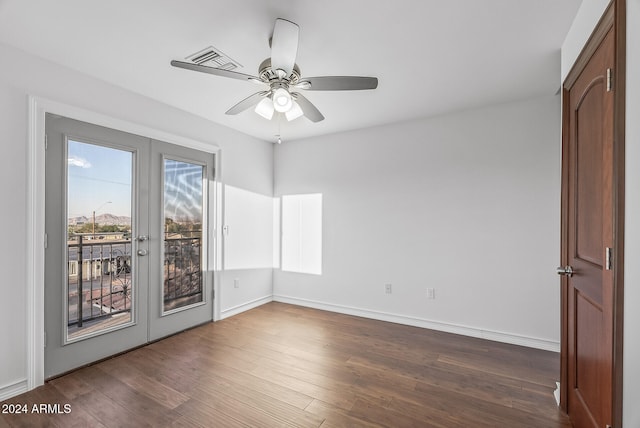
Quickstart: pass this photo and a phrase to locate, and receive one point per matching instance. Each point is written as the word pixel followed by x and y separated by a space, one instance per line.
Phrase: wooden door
pixel 588 238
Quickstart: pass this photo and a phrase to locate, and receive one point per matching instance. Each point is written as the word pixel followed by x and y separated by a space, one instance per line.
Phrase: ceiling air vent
pixel 213 57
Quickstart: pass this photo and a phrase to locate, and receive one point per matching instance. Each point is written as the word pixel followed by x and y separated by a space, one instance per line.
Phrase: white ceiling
pixel 431 57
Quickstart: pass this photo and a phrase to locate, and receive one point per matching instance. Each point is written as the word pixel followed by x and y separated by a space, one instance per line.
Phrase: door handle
pixel 567 271
pixel 142 238
pixel 143 252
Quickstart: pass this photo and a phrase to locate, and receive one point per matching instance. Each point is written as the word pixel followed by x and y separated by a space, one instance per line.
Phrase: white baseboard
pixel 226 313
pixel 13 389
pixel 556 393
pixel 496 336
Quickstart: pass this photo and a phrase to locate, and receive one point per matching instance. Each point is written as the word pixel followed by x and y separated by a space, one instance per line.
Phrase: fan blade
pixel 284 45
pixel 338 83
pixel 212 70
pixel 309 110
pixel 247 103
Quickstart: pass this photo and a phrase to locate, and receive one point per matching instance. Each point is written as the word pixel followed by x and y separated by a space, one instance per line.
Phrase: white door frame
pixel 38 107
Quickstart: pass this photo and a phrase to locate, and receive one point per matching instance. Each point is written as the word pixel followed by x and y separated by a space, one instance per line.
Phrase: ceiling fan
pixel 282 76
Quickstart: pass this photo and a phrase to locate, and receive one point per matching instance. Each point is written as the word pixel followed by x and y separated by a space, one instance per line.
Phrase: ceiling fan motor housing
pixel 268 75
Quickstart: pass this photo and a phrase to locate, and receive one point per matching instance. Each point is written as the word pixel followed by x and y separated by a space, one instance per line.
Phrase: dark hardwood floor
pixel 283 365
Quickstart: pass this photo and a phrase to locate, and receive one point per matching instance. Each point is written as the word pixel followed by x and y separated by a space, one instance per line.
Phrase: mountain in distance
pixel 101 220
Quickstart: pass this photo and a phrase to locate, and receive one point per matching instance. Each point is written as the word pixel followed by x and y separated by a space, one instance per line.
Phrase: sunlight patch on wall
pixel 276 233
pixel 302 233
pixel 248 229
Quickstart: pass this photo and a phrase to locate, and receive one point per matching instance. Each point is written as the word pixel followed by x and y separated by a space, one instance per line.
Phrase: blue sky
pixel 97 175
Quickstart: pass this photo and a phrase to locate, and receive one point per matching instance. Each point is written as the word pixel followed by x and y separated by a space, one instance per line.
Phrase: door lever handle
pixel 567 271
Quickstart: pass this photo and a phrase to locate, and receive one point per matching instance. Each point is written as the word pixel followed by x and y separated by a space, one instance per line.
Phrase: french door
pixel 126 257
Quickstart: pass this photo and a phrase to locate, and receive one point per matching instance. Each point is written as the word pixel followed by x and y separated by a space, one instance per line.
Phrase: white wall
pixel 466 203
pixel 247 164
pixel 248 249
pixel 631 397
pixel 583 24
pixel 13 304
pixel 586 20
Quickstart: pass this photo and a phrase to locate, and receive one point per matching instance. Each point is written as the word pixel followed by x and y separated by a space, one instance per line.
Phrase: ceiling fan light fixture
pixel 265 108
pixel 294 112
pixel 282 101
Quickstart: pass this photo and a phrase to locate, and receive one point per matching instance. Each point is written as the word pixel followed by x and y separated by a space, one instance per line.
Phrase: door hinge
pixel 46 240
pixel 46 141
pixel 609 80
pixel 45 339
pixel 608 263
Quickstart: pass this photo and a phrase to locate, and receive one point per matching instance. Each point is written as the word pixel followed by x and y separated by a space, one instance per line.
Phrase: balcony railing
pixel 100 274
pixel 182 269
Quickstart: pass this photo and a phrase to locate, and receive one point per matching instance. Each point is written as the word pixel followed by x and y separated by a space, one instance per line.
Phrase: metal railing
pixel 182 269
pixel 99 280
pixel 99 276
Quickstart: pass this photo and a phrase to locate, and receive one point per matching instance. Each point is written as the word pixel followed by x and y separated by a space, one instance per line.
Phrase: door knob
pixel 567 270
pixel 142 252
pixel 142 238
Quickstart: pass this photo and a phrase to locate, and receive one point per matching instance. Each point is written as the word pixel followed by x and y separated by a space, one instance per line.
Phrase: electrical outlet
pixel 236 283
pixel 431 293
pixel 387 288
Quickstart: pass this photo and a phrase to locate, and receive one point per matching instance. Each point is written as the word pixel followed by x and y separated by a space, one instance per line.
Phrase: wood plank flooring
pixel 282 365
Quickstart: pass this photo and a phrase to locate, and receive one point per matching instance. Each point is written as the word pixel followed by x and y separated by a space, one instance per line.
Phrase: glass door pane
pixel 96 259
pixel 98 224
pixel 183 219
